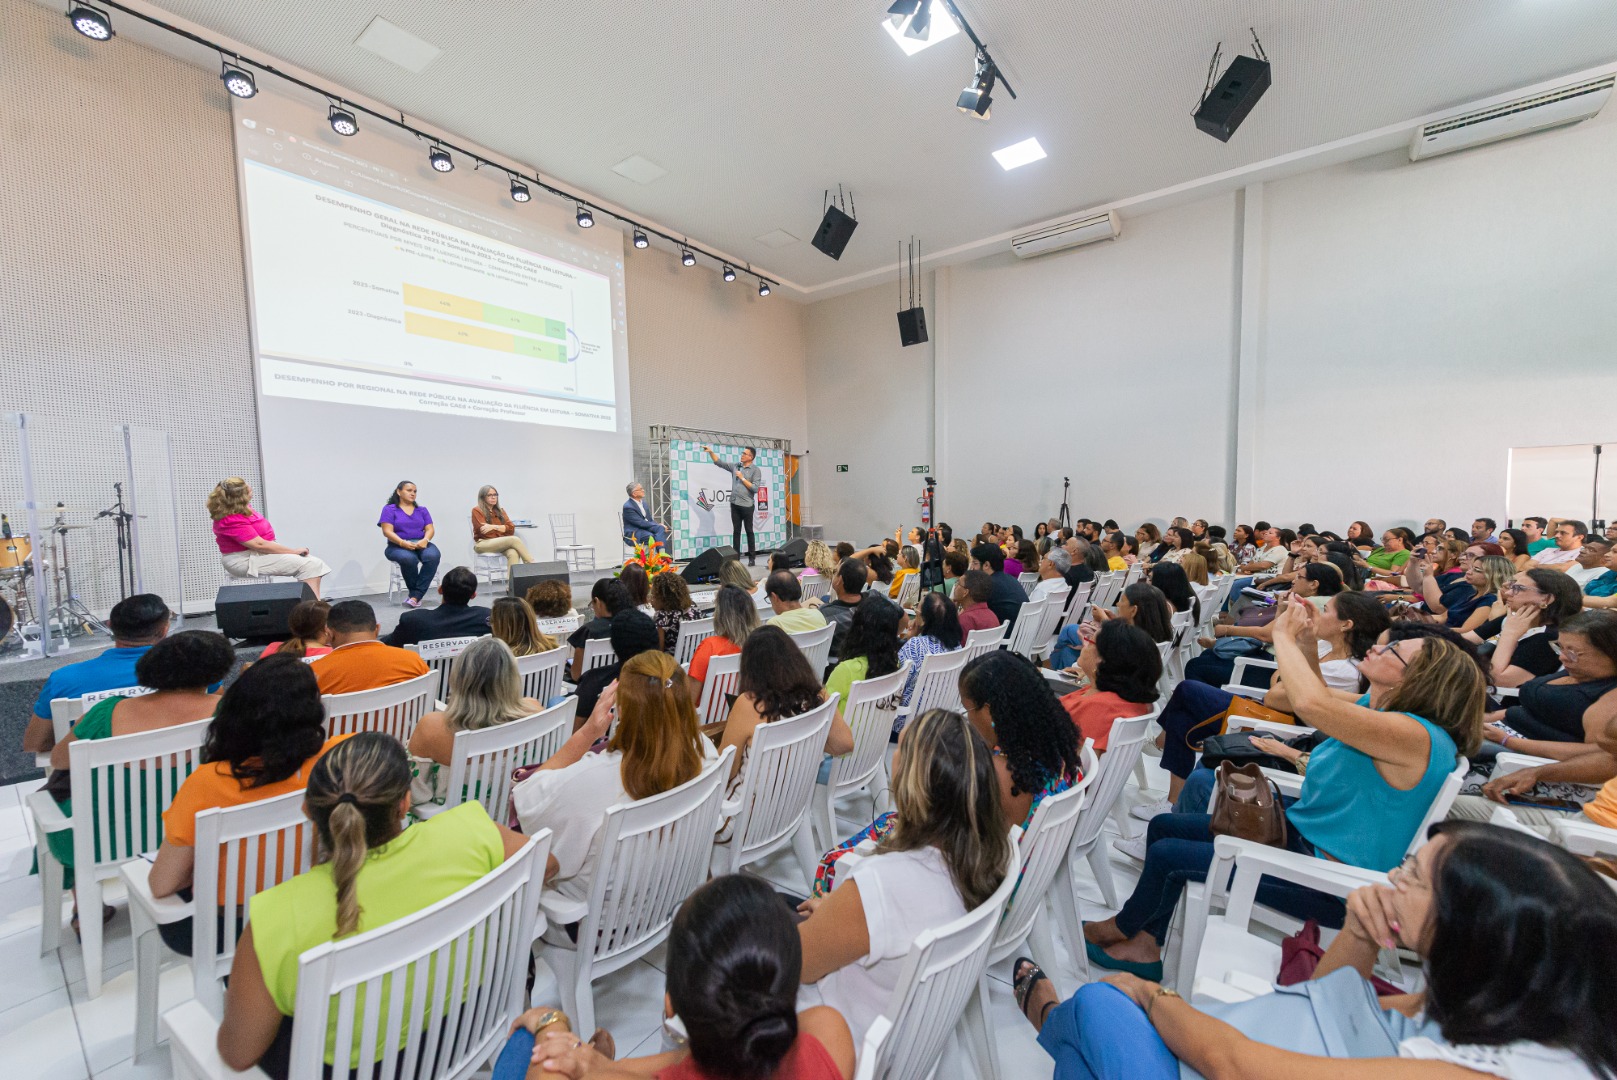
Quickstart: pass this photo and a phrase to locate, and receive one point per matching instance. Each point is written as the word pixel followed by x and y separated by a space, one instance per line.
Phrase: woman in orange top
pixel 266 735
pixel 1123 665
pixel 492 531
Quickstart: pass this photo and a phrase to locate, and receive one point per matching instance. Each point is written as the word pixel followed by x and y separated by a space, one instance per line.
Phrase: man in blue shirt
pixel 137 624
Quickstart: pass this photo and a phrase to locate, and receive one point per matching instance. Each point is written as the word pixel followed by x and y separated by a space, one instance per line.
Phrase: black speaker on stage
pixel 912 326
pixel 790 555
pixel 525 576
pixel 836 229
pixel 1232 97
pixel 705 567
pixel 259 611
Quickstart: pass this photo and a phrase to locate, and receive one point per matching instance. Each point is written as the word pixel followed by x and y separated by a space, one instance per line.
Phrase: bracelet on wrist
pixel 1162 992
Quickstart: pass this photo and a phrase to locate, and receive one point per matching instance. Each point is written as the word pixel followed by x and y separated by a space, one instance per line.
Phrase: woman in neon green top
pixel 1386 563
pixel 371 872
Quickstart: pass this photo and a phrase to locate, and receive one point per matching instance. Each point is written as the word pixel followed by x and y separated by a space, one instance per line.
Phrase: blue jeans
pixel 656 532
pixel 1179 849
pixel 417 567
pixel 1097 1034
pixel 1068 646
pixel 1190 707
pixel 1197 794
pixel 1235 591
pixel 512 1064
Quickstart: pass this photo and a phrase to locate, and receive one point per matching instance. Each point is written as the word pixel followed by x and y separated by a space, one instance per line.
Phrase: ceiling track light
pixel 92 22
pixel 976 98
pixel 440 160
pixel 763 287
pixel 686 257
pixel 237 79
pixel 519 191
pixel 640 239
pixel 920 23
pixel 584 217
pixel 729 272
pixel 342 121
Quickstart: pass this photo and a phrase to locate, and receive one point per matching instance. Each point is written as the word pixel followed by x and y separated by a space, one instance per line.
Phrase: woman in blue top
pixel 408 528
pixel 1366 790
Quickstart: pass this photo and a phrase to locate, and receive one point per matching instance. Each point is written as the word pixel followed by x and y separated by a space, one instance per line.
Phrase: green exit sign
pixel 842 468
pixel 919 468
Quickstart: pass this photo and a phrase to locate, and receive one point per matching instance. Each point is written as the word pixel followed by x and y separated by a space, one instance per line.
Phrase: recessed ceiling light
pixel 942 28
pixel 1018 154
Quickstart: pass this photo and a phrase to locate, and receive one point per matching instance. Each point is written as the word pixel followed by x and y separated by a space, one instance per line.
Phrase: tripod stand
pixel 126 551
pixel 1064 515
pixel 931 569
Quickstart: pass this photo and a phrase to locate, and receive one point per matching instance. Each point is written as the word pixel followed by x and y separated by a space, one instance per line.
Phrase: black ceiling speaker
pixel 911 319
pixel 837 225
pixel 912 326
pixel 1227 102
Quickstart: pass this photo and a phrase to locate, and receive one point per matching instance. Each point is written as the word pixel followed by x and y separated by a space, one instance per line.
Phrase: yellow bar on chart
pixel 445 303
pixel 459 333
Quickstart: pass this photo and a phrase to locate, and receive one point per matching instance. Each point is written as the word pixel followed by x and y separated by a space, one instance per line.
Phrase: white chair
pixel 1238 685
pixel 937 685
pixel 723 672
pixel 1184 635
pixel 942 973
pixel 979 642
pixel 439 655
pixel 1077 605
pixel 251 847
pixel 565 546
pixel 375 984
pixel 120 788
pixel 1027 580
pixel 653 854
pixel 909 592
pixel 1123 745
pixel 816 646
pixel 492 567
pixel 394 709
pixel 869 712
pixel 1028 626
pixel 1041 855
pixel 481 762
pixel 1055 609
pixel 777 786
pixel 395 582
pixel 597 653
pixel 65 712
pixel 1581 836
pixel 542 673
pixel 261 579
pixel 560 627
pixel 692 632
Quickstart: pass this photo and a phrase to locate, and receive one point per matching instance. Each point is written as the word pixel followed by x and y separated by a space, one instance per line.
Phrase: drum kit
pixel 22 570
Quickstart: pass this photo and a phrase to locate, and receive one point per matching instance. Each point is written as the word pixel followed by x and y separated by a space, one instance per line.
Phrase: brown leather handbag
pixel 1248 806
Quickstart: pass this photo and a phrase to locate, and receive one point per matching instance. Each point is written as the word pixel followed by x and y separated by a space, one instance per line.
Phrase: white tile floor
pixel 50 1028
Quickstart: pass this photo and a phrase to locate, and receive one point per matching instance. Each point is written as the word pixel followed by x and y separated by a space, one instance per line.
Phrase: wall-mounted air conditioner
pixel 1067 234
pixel 1553 108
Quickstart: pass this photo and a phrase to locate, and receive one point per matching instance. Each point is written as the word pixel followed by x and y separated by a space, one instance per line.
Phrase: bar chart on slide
pixel 532 335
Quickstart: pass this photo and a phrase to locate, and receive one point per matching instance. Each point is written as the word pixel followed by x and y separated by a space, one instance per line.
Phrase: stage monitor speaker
pixel 1232 97
pixel 790 555
pixel 705 567
pixel 912 326
pixel 259 611
pixel 835 230
pixel 525 576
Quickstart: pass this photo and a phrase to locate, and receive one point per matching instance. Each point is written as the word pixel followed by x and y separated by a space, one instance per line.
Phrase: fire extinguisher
pixel 926 508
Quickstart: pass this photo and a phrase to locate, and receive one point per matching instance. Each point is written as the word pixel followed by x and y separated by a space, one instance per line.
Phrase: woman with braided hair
pixel 369 872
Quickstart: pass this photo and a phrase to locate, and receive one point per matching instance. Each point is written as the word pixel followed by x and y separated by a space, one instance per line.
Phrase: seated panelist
pixel 247 546
pixel 638 525
pixel 492 530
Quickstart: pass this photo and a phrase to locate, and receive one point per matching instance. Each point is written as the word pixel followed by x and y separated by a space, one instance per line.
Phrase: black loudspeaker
pixel 912 326
pixel 705 567
pixel 1232 97
pixel 525 576
pixel 259 611
pixel 835 230
pixel 790 556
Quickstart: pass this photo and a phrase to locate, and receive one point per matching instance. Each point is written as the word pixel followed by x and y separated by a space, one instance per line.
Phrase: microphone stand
pixel 126 554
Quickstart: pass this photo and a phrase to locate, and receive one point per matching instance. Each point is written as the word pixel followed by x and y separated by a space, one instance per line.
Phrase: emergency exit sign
pixel 919 468
pixel 842 468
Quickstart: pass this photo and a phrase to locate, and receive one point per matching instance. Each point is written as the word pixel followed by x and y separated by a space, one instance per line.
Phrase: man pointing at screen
pixel 747 477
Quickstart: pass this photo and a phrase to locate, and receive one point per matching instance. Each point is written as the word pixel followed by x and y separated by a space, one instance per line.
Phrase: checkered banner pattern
pixel 699 498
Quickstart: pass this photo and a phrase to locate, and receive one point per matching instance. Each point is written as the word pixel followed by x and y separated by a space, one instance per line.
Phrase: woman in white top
pixel 485 689
pixel 947 854
pixel 657 746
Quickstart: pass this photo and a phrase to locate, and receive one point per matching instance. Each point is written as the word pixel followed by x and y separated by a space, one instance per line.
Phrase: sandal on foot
pixel 1023 982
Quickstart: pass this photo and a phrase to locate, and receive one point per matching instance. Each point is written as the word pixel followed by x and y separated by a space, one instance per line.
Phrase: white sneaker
pixel 1134 849
pixel 1151 810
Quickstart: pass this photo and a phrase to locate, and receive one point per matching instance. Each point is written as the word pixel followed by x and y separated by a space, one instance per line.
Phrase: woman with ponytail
pixel 310 637
pixel 369 872
pixel 734 957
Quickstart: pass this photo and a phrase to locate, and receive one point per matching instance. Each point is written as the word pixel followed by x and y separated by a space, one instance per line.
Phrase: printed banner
pixel 699 497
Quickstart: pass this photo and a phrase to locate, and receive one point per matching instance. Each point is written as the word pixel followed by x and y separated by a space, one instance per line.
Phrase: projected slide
pixel 358 301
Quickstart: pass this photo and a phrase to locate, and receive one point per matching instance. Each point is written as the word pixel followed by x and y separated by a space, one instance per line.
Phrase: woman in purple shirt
pixel 408 528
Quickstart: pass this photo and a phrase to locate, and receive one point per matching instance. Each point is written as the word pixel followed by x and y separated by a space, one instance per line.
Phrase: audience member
pixel 735 617
pixel 1173 583
pixel 1111 546
pixel 632 632
pixel 1149 537
pixel 485 690
pixel 1123 666
pixel 1141 604
pixel 671 606
pixel 512 620
pixel 733 572
pixel 1018 715
pixel 369 872
pixel 633 577
pixel 1601 592
pixel 776 684
pixel 1557 714
pixel 551 599
pixel 847 588
pixel 936 630
pixel 1053 567
pixel 307 622
pixel 137 623
pixel 971 596
pixel 956 565
pixel 786 601
pixel 359 659
pixel 607 597
pixel 1514 543
pixel 268 731
pixel 1564 553
pixel 455 617
pixel 909 563
pixel 1538 602
pixel 869 649
pixel 1591 561
pixel 1005 593
pixel 1472 600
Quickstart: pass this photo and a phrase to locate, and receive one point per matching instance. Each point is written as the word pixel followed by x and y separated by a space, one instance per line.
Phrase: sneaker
pixel 1151 810
pixel 1134 849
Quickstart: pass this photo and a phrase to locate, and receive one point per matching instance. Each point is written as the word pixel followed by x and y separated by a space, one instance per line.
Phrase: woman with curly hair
pixel 776 683
pixel 1034 741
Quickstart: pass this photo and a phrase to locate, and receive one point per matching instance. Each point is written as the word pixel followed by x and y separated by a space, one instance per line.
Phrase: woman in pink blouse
pixel 246 541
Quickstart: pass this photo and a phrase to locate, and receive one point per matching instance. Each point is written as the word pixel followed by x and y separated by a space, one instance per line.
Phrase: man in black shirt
pixel 608 596
pixel 455 617
pixel 1005 593
pixel 848 583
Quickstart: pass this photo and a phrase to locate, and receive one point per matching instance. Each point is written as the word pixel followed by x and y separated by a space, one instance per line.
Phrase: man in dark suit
pixel 455 617
pixel 637 523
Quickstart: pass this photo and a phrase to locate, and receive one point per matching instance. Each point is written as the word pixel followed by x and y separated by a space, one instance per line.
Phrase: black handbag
pixel 1236 747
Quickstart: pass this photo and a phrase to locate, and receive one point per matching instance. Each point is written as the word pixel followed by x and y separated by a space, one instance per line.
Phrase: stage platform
pixel 22 680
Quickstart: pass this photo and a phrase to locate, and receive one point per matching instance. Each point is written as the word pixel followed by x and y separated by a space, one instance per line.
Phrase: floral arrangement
pixel 651 557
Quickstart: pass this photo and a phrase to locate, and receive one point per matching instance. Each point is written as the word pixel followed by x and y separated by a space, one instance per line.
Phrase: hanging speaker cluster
pixel 837 226
pixel 911 319
pixel 1227 102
